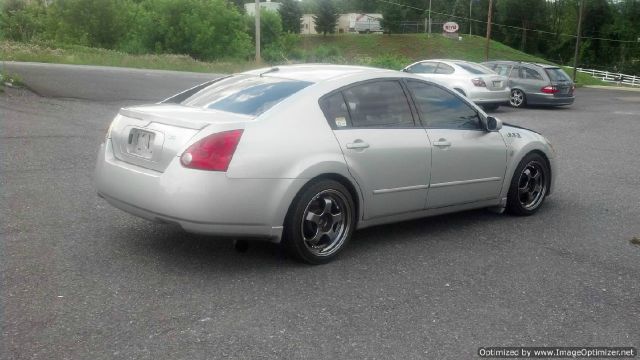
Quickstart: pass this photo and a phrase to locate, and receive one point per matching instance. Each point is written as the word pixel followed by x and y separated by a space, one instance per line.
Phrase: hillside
pixel 389 51
pixel 416 47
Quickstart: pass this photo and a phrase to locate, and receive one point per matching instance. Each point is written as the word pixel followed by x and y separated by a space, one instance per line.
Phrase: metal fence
pixel 613 77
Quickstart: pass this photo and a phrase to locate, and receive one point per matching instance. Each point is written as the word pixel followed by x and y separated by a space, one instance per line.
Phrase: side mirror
pixel 493 124
pixel 405 70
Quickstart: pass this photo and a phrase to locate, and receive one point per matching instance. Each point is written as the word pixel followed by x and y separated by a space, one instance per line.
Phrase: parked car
pixel 306 154
pixel 480 84
pixel 535 84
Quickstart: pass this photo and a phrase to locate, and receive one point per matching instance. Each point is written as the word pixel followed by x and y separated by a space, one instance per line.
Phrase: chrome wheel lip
pixel 323 232
pixel 517 98
pixel 532 185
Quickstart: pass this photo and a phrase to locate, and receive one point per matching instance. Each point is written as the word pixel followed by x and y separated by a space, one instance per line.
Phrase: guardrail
pixel 613 77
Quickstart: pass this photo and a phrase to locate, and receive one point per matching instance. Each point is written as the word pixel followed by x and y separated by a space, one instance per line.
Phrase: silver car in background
pixel 479 83
pixel 306 154
pixel 535 84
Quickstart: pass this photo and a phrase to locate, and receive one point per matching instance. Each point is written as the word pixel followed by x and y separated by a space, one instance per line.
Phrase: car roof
pixel 316 72
pixel 511 62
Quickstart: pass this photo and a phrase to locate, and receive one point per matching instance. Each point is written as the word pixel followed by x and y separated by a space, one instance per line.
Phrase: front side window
pixel 378 104
pixel 245 94
pixel 441 109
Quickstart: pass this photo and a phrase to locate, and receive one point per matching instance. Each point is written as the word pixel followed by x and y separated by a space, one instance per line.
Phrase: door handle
pixel 358 144
pixel 442 143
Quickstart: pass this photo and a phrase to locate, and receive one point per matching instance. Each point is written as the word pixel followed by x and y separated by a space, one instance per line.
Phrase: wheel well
pixel 347 183
pixel 546 159
pixel 335 177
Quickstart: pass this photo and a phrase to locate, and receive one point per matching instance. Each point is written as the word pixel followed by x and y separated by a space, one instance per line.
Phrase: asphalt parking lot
pixel 82 280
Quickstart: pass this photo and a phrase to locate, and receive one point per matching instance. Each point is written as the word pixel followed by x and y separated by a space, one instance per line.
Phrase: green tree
pixel 291 14
pixel 391 17
pixel 20 21
pixel 327 18
pixel 270 27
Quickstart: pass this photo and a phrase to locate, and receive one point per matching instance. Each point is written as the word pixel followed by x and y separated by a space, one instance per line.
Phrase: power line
pixel 507 26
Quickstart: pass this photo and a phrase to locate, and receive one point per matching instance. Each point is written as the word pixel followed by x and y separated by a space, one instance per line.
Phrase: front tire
pixel 320 222
pixel 529 186
pixel 518 99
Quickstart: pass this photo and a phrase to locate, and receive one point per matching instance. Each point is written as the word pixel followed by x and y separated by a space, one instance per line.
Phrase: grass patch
pixel 9 80
pixel 82 55
pixel 386 51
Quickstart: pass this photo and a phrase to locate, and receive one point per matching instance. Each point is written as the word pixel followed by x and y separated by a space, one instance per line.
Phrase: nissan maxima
pixel 305 155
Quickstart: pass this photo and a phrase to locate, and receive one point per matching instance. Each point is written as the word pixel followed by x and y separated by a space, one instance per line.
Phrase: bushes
pixel 204 29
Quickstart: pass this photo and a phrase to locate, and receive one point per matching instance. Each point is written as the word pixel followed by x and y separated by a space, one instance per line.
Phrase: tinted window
pixel 335 110
pixel 423 68
pixel 245 94
pixel 557 74
pixel 444 69
pixel 474 68
pixel 530 74
pixel 378 104
pixel 441 109
pixel 502 69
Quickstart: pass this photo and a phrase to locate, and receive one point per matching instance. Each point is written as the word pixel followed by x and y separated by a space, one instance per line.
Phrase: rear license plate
pixel 141 143
pixel 497 83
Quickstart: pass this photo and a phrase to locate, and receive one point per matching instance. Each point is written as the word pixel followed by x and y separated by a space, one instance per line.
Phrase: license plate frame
pixel 141 143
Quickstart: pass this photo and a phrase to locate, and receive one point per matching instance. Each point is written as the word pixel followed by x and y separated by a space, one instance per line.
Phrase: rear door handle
pixel 442 143
pixel 358 144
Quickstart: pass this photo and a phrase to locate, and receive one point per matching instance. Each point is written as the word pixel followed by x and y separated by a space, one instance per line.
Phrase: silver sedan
pixel 304 155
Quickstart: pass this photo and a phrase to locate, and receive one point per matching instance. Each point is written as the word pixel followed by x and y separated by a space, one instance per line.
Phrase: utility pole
pixel 429 18
pixel 470 3
pixel 578 35
pixel 486 48
pixel 258 58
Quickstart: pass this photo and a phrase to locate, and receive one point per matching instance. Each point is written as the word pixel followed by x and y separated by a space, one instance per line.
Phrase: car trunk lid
pixel 152 136
pixel 561 81
pixel 495 82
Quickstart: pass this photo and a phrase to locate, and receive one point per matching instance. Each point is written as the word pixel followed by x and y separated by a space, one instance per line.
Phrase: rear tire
pixel 529 186
pixel 518 99
pixel 320 222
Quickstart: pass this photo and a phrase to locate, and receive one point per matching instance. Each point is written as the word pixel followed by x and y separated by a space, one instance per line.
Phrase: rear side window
pixel 379 104
pixel 444 69
pixel 245 94
pixel 502 69
pixel 441 109
pixel 557 74
pixel 335 110
pixel 423 68
pixel 474 68
pixel 529 74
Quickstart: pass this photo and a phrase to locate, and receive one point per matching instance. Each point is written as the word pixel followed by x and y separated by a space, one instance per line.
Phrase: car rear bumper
pixel 549 99
pixel 205 202
pixel 489 97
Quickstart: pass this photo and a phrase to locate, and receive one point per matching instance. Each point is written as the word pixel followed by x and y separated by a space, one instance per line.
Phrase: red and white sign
pixel 450 27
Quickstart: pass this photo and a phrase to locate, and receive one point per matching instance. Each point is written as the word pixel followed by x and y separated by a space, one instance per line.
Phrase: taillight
pixel 478 82
pixel 549 90
pixel 213 152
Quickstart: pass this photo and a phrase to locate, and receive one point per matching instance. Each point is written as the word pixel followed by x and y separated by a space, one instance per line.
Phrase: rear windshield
pixel 245 94
pixel 474 68
pixel 557 74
